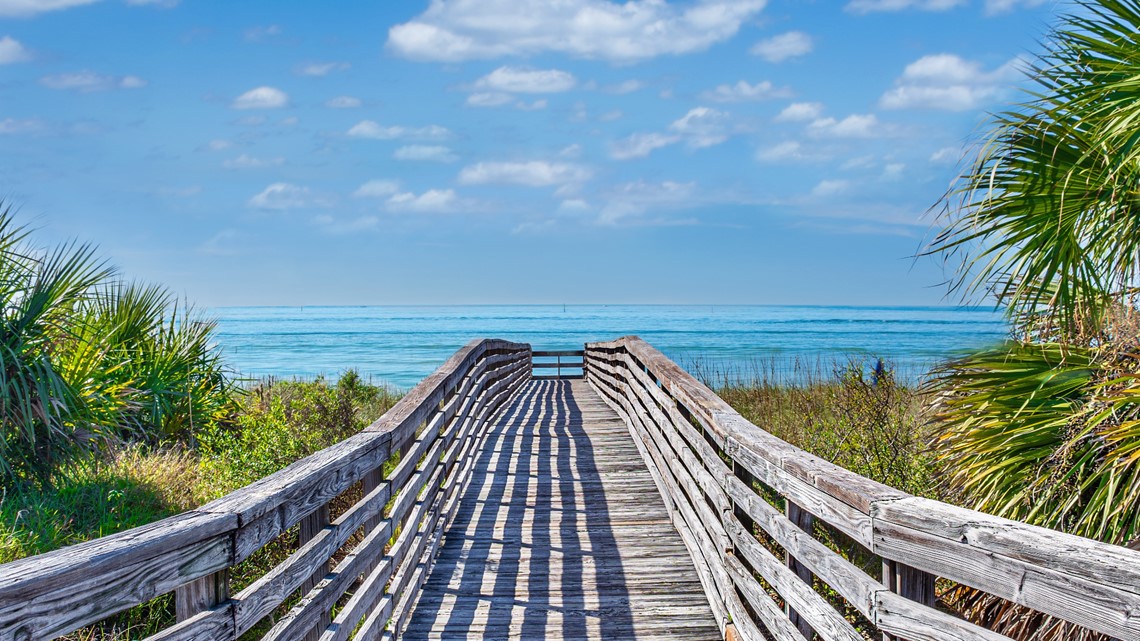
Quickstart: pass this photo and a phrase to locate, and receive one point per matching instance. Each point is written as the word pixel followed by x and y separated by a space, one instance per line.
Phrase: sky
pixel 505 151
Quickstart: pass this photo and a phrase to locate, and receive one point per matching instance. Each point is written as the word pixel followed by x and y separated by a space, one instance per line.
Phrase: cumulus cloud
pixel 343 102
pixel 636 198
pixel 11 51
pixel 320 68
pixel 261 98
pixel 742 92
pixel 827 188
pixel 430 201
pixel 533 173
pixel 376 131
pixel 946 156
pixel 281 196
pixel 792 44
pixel 624 87
pixel 258 34
pixel 994 7
pixel 626 31
pixel 218 144
pixel 21 126
pixel 250 162
pixel 87 82
pixel 800 112
pixel 27 8
pixel 946 81
pixel 432 153
pixel 640 145
pixel 377 188
pixel 781 152
pixel 489 99
pixel 524 80
pixel 702 127
pixel 875 6
pixel 853 126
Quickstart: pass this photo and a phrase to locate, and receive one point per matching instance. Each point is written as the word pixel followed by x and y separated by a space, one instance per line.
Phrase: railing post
pixel 806 522
pixel 201 594
pixel 311 525
pixel 910 583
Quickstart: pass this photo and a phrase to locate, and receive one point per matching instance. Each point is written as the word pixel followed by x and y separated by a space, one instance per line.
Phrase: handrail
pixel 577 361
pixel 709 463
pixel 382 545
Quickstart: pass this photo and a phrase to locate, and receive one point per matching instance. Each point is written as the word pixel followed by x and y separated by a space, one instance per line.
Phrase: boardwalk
pixel 561 534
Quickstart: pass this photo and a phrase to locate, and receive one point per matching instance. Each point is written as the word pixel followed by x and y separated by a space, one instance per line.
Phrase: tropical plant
pixel 1046 428
pixel 86 359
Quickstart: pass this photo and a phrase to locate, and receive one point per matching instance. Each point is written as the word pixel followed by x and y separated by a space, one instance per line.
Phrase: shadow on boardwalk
pixel 560 534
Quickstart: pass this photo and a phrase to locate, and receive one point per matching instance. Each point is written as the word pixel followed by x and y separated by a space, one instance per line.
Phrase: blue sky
pixel 504 151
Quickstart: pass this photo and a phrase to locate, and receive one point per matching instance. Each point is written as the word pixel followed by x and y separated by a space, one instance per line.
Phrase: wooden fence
pixel 754 512
pixel 380 546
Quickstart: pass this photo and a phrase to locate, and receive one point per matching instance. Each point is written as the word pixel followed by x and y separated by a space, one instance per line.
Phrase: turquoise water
pixel 398 346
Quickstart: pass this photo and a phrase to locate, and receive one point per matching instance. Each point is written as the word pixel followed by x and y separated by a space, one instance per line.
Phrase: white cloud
pixel 332 225
pixel 261 98
pixel 874 6
pixel 433 153
pixel 946 81
pixel 249 162
pixel 343 102
pixel 601 29
pixel 784 46
pixel 827 188
pixel 375 131
pixel 488 99
pixel 574 206
pixel 946 156
pixel 257 34
pixel 640 145
pixel 219 145
pixel 702 127
pixel 87 82
pixel 742 91
pixel 533 173
pixel 800 112
pixel 853 126
pixel 637 198
pixel 431 201
pixel 281 196
pixel 320 68
pixel 571 151
pixel 893 171
pixel 782 151
pixel 21 126
pixel 26 8
pixel 624 87
pixel 611 116
pixel 377 188
pixel 858 162
pixel 531 106
pixel 522 80
pixel 12 51
pixel 994 7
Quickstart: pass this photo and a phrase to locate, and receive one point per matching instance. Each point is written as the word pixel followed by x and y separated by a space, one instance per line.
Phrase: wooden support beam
pixel 806 522
pixel 201 594
pixel 909 583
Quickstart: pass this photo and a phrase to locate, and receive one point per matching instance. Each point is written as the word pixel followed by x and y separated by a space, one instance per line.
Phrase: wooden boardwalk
pixel 561 534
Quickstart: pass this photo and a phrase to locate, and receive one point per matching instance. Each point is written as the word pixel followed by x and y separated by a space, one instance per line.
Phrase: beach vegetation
pixel 1046 428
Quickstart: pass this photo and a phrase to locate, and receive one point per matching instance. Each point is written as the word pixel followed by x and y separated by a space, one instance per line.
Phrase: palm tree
pixel 1046 428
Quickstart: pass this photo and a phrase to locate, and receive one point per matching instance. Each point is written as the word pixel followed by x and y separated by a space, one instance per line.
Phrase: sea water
pixel 398 346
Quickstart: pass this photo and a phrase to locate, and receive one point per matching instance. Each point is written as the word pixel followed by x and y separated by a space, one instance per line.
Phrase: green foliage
pixel 86 360
pixel 280 422
pixel 852 417
pixel 1046 218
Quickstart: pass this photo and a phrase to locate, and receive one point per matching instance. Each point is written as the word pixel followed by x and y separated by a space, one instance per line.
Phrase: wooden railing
pixel 567 364
pixel 356 575
pixel 755 513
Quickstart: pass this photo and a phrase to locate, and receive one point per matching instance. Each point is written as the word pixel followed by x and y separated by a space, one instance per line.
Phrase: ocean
pixel 398 346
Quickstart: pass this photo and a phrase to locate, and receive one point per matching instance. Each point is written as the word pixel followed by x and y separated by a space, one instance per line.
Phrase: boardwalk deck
pixel 561 534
